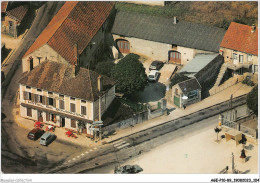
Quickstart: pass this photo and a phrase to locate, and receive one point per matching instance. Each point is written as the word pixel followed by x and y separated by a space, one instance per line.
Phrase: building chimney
pixel 75 70
pixel 253 28
pixel 100 83
pixel 174 20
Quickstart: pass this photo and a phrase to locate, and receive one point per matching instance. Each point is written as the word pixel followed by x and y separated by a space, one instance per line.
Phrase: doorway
pixel 62 121
pixel 40 118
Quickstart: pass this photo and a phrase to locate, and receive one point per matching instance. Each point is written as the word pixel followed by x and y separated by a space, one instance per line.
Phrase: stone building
pixel 239 48
pixel 190 88
pixel 165 39
pixel 76 31
pixel 65 95
pixel 12 18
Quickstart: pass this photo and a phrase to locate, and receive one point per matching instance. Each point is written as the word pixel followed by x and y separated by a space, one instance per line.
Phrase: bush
pixel 252 100
pixel 130 75
pixel 105 68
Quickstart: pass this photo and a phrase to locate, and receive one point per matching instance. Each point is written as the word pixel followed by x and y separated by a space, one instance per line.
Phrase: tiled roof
pixel 239 37
pixel 18 13
pixel 189 85
pixel 4 6
pixel 160 29
pixel 75 23
pixel 58 77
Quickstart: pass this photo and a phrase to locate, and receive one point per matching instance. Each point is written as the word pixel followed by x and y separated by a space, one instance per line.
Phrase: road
pixel 118 151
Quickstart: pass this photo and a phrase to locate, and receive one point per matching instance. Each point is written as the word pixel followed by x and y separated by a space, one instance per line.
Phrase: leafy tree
pixel 217 130
pixel 177 78
pixel 130 75
pixel 104 68
pixel 252 100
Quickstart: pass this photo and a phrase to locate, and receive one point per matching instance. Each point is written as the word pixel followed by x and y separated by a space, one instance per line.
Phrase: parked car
pixel 47 138
pixel 153 75
pixel 156 65
pixel 35 133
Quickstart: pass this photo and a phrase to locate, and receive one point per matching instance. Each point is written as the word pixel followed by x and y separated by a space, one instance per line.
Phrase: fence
pixel 137 118
pixel 230 124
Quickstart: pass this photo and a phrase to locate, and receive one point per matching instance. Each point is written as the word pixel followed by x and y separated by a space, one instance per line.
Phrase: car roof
pixel 45 135
pixel 152 72
pixel 34 130
pixel 156 61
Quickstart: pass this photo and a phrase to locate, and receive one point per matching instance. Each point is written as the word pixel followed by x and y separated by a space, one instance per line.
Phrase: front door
pixel 177 101
pixel 40 118
pixel 11 28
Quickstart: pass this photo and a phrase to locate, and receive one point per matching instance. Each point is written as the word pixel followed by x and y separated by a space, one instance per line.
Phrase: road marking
pixel 116 144
pixel 124 145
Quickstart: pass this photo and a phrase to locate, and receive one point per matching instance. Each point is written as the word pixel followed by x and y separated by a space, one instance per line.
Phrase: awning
pixel 56 112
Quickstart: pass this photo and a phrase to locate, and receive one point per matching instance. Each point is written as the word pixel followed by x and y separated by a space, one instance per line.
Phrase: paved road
pixel 131 146
pixel 44 15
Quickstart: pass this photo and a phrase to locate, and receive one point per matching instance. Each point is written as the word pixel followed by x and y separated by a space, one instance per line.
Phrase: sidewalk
pixel 236 90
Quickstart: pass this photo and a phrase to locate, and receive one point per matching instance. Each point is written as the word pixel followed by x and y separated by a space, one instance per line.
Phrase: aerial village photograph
pixel 97 88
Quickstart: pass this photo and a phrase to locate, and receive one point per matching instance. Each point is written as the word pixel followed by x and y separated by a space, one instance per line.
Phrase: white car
pixel 153 75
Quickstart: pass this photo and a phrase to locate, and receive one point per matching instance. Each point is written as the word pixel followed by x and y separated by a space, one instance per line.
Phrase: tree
pixel 130 75
pixel 252 100
pixel 104 68
pixel 217 130
pixel 177 78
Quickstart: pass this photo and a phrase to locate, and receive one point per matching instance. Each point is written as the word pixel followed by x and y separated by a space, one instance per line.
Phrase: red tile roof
pixel 17 13
pixel 4 6
pixel 75 23
pixel 239 37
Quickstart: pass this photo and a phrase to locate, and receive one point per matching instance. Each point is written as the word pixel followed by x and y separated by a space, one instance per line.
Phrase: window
pixel 50 101
pixel 83 110
pixel 53 117
pixel 241 59
pixel 29 112
pixel 176 91
pixel 193 94
pixel 249 57
pixel 61 104
pixel 47 117
pixel 83 101
pixel 62 96
pixel 29 96
pixel 28 87
pixel 39 98
pixel 72 98
pixel 50 93
pixel 255 69
pixel 72 107
pixel 39 90
pixel 234 56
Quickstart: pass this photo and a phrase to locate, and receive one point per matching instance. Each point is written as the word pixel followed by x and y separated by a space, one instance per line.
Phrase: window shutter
pixel 73 123
pixel 43 100
pixel 36 98
pixel 33 98
pixel 24 95
pixel 72 107
pixel 47 100
pixel 54 102
pixel 83 110
pixel 47 117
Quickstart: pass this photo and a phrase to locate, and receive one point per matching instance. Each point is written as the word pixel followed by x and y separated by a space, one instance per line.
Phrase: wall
pixel 228 55
pixel 158 51
pixel 43 53
pixel 151 3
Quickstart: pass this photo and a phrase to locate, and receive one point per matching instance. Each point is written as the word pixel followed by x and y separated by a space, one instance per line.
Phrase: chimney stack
pixel 174 20
pixel 253 28
pixel 100 83
pixel 76 53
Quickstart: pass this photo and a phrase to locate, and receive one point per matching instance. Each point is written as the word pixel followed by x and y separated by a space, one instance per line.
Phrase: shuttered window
pixel 29 112
pixel 61 104
pixel 72 107
pixel 73 123
pixel 83 110
pixel 47 117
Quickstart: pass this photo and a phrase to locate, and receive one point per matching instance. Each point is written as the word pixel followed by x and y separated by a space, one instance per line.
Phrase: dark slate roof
pixel 58 77
pixel 190 85
pixel 160 29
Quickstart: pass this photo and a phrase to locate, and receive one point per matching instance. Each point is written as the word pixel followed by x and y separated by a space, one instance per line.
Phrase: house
pixel 239 48
pixel 190 88
pixel 165 39
pixel 65 95
pixel 204 67
pixel 13 18
pixel 76 31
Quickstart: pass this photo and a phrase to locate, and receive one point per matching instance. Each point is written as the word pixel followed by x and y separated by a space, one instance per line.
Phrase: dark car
pixel 35 133
pixel 156 65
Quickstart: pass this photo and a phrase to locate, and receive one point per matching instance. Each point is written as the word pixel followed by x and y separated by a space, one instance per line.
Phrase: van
pixel 47 138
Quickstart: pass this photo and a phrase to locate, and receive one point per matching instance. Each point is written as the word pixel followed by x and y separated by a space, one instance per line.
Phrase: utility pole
pixel 233 163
